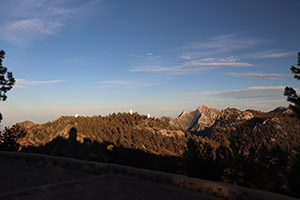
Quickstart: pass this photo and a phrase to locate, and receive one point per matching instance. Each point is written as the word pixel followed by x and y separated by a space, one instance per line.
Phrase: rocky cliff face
pixel 195 121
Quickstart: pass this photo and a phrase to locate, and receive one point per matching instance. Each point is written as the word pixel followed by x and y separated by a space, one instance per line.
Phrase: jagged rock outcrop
pixel 206 120
pixel 195 121
pixel 230 118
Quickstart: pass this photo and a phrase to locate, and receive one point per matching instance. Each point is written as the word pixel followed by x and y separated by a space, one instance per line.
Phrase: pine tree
pixel 291 93
pixel 6 80
pixel 9 138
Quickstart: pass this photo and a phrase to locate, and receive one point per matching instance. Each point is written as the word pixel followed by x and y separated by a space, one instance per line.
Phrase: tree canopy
pixel 7 80
pixel 291 93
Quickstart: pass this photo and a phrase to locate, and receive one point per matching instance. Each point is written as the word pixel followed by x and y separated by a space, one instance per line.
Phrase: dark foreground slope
pixel 32 180
pixel 49 177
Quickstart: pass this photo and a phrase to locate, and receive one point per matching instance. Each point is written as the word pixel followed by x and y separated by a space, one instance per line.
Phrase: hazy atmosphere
pixel 158 57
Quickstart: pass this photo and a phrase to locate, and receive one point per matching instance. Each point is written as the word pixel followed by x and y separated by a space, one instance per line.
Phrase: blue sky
pixel 95 57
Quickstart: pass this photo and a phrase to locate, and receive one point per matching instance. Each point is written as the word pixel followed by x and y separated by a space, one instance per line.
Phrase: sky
pixel 96 57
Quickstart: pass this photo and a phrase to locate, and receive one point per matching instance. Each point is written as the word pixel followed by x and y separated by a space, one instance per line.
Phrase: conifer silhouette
pixel 291 93
pixel 6 80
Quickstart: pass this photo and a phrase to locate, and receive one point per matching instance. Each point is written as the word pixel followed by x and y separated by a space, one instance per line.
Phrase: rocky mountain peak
pixel 194 121
pixel 203 106
pixel 184 113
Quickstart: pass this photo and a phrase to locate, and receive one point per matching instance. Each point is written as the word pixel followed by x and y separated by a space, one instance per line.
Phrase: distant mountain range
pixel 205 117
pixel 200 121
pixel 120 128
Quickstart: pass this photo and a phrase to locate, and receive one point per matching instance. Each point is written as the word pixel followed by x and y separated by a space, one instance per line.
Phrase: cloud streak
pixel 255 75
pixel 192 66
pixel 197 56
pixel 224 43
pixel 148 56
pixel 24 31
pixel 186 57
pixel 217 63
pixel 115 82
pixel 271 54
pixel 259 92
pixel 29 20
pixel 36 26
pixel 108 84
pixel 24 83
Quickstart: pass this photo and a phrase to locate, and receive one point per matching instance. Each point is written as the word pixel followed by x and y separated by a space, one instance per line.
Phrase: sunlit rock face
pixel 194 121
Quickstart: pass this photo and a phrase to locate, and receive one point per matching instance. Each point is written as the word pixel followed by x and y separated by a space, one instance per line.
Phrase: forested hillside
pixel 249 148
pixel 123 129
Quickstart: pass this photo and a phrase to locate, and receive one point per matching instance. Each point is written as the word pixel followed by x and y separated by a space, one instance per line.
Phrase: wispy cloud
pixel 29 20
pixel 148 56
pixel 24 31
pixel 212 54
pixel 35 26
pixel 115 82
pixel 222 62
pixel 224 43
pixel 186 57
pixel 24 83
pixel 255 75
pixel 125 84
pixel 184 93
pixel 271 54
pixel 200 56
pixel 153 68
pixel 136 56
pixel 192 66
pixel 260 92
